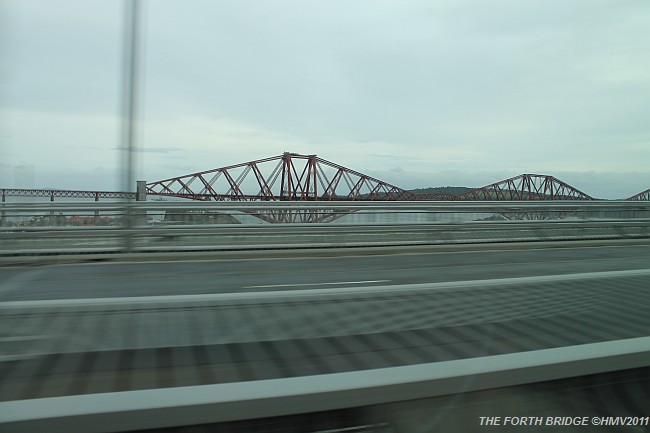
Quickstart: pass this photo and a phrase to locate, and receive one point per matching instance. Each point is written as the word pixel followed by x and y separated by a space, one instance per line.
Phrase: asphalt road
pixel 302 271
pixel 298 317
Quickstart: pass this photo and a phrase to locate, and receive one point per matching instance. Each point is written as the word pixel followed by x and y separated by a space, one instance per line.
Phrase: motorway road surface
pixel 224 322
pixel 302 271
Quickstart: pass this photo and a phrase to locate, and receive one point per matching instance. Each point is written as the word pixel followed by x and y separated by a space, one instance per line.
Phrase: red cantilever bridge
pixel 295 177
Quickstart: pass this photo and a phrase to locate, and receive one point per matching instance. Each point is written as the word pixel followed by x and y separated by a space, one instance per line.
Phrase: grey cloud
pixel 537 86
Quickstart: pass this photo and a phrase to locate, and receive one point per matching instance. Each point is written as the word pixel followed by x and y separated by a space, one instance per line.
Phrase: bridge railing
pixel 15 214
pixel 40 229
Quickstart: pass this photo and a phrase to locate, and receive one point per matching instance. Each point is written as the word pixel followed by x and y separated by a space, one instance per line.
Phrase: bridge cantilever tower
pixel 642 196
pixel 296 177
pixel 289 176
pixel 292 176
pixel 526 187
pixel 286 177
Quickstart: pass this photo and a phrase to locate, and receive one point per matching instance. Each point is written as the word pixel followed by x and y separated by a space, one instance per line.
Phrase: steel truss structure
pixel 526 187
pixel 289 176
pixel 296 177
pixel 299 215
pixel 65 193
pixel 642 196
pixel 308 177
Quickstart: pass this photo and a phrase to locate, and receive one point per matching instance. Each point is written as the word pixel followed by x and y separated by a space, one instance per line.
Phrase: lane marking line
pixel 310 294
pixel 316 284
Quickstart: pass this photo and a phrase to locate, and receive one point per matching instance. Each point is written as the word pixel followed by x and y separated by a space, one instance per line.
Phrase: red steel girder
pixel 526 187
pixel 301 178
pixel 299 216
pixel 642 196
pixel 308 177
pixel 65 193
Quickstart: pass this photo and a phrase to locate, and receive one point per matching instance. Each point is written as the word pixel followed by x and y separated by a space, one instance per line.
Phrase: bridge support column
pixel 140 216
pixel 141 190
pixel 3 214
pixel 52 217
pixel 96 212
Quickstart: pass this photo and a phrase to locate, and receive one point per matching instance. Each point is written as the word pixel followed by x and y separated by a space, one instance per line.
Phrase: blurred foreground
pixel 223 339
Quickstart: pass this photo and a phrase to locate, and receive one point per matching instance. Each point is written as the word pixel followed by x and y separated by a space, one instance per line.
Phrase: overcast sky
pixel 415 93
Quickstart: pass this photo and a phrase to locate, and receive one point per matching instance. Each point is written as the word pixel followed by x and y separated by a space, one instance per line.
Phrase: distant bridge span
pixel 64 193
pixel 642 196
pixel 295 177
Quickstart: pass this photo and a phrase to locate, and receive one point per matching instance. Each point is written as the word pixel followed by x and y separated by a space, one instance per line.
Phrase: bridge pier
pixel 140 216
pixel 3 214
pixel 52 217
pixel 96 220
pixel 141 190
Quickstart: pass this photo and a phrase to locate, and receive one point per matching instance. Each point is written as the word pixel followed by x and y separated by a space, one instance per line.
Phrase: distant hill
pixel 449 190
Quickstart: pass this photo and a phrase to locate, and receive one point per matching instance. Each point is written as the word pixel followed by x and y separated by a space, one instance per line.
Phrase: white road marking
pixel 309 294
pixel 105 242
pixel 316 284
pixel 23 338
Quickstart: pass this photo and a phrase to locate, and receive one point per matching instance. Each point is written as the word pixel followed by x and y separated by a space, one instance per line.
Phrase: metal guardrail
pixel 169 407
pixel 41 241
pixel 267 350
pixel 398 224
pixel 288 211
pixel 437 206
